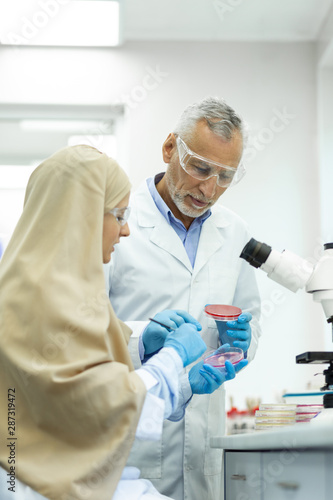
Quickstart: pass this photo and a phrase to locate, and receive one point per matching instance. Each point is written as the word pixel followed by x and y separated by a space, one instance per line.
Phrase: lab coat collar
pixel 148 216
pixel 166 238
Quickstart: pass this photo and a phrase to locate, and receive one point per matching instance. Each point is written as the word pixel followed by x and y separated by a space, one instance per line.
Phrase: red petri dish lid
pixel 222 312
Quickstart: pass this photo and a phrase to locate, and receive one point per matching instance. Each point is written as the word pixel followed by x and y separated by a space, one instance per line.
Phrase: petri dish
pixel 271 413
pixel 222 312
pixel 218 357
pixel 277 407
pixel 309 408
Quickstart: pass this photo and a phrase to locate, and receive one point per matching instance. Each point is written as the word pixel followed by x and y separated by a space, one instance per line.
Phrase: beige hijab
pixel 62 349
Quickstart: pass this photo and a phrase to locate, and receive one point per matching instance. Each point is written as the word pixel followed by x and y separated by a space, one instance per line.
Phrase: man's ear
pixel 169 147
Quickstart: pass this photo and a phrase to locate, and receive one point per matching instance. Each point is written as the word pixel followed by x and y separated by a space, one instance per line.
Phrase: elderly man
pixel 183 252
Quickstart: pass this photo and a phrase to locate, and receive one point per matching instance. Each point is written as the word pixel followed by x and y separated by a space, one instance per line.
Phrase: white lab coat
pixel 150 271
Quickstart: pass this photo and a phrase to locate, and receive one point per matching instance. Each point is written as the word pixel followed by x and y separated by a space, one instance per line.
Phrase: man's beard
pixel 179 198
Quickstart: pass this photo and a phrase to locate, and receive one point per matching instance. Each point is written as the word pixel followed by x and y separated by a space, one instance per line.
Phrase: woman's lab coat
pixel 150 271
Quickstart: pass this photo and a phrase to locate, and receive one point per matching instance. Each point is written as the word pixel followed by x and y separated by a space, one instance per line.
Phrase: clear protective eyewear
pixel 121 214
pixel 203 169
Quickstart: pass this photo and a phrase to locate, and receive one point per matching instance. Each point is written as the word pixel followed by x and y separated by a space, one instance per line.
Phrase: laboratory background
pixel 117 75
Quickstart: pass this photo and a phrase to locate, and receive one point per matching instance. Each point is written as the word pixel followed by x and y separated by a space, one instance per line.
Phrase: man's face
pixel 191 196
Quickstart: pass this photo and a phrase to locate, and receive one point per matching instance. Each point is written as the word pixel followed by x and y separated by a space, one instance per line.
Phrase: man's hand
pixel 240 330
pixel 205 379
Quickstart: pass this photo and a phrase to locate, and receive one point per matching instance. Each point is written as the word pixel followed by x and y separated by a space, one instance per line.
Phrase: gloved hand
pixel 187 342
pixel 154 335
pixel 205 379
pixel 240 330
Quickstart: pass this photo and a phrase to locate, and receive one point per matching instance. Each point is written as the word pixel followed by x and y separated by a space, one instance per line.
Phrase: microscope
pixel 293 272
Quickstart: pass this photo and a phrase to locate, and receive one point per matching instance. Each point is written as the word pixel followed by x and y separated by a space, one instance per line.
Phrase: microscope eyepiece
pixel 255 252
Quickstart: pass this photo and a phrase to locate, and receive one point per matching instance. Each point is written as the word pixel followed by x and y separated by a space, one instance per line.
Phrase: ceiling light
pixel 66 126
pixel 71 23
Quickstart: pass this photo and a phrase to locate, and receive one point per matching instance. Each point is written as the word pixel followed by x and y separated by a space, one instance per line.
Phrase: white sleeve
pixel 185 396
pixel 160 374
pixel 135 344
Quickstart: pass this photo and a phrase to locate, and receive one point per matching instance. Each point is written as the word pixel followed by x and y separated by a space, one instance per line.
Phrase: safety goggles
pixel 121 214
pixel 203 169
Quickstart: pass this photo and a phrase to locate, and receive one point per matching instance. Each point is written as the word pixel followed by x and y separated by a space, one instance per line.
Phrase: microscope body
pixel 293 272
pixel 320 283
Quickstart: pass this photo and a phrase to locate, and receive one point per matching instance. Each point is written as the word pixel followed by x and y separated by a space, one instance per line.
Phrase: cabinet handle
pixel 238 477
pixel 288 485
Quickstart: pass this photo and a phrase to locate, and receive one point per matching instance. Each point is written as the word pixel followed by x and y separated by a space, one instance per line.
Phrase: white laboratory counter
pixel 293 463
pixel 302 435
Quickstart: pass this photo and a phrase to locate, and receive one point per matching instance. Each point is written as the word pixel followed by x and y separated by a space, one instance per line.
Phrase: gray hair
pixel 220 118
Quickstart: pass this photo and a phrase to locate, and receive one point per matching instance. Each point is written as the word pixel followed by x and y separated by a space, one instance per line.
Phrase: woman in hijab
pixel 71 402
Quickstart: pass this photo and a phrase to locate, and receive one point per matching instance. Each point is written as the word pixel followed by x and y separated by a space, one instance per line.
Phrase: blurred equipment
pixel 242 421
pixel 294 273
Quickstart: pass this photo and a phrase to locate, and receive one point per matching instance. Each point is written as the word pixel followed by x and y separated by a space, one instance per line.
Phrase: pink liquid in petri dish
pixel 218 357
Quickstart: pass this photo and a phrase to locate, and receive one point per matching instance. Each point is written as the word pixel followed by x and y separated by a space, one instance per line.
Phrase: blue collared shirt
pixel 189 237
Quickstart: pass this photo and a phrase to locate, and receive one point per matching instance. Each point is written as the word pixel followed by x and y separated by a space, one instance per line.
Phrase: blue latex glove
pixel 205 379
pixel 187 342
pixel 154 335
pixel 239 330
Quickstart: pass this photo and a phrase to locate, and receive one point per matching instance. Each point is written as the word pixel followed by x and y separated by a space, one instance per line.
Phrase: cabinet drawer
pixel 329 475
pixel 293 475
pixel 242 475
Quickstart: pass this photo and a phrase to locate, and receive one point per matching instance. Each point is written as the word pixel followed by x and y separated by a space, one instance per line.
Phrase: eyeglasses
pixel 203 169
pixel 121 214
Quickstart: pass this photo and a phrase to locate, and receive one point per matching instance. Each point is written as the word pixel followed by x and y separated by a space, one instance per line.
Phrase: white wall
pixel 325 105
pixel 279 197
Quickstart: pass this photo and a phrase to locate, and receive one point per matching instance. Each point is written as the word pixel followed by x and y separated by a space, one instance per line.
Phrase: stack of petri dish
pixel 305 413
pixel 274 416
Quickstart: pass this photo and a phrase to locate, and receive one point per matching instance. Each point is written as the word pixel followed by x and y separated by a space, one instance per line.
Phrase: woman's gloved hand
pixel 187 342
pixel 205 379
pixel 154 335
pixel 240 330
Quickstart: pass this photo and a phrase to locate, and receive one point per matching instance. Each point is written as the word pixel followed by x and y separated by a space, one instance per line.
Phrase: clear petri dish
pixel 276 407
pixel 275 420
pixel 270 427
pixel 218 357
pixel 272 413
pixel 305 417
pixel 309 408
